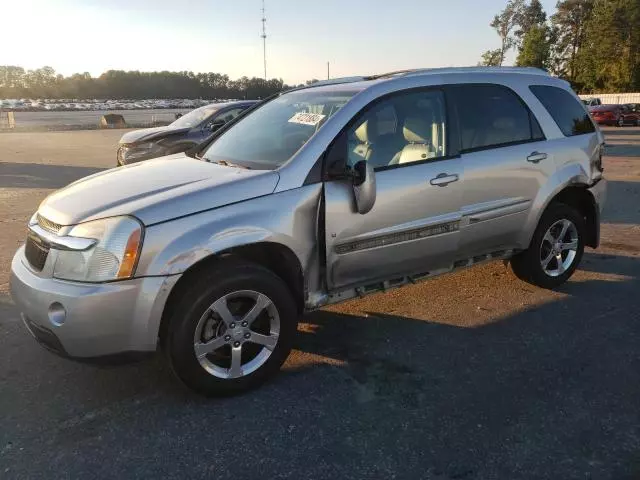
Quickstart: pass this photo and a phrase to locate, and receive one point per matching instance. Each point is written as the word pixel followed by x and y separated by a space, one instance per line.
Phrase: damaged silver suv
pixel 316 196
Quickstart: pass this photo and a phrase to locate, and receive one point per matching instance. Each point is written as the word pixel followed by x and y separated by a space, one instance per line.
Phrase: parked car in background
pixel 615 115
pixel 631 114
pixel 591 102
pixel 184 133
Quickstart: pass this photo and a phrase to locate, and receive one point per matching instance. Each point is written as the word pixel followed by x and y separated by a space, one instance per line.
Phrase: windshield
pixel 271 135
pixel 195 117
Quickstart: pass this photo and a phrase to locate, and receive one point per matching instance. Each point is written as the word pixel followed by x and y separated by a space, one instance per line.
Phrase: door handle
pixel 443 179
pixel 536 157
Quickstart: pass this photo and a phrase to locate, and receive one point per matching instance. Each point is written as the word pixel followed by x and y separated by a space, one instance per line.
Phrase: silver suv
pixel 315 196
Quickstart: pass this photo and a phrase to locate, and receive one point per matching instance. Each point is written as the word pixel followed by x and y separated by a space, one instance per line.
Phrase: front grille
pixel 48 225
pixel 36 253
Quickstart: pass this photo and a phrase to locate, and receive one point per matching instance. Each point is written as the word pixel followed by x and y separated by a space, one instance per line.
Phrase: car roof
pixel 233 103
pixel 359 83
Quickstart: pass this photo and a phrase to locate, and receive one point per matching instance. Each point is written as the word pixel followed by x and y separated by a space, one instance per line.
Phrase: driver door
pixel 413 227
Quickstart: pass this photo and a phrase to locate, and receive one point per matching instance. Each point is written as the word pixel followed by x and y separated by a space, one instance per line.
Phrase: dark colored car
pixel 184 133
pixel 616 115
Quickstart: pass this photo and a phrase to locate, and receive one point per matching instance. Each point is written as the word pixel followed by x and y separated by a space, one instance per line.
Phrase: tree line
pixel 16 82
pixel 594 44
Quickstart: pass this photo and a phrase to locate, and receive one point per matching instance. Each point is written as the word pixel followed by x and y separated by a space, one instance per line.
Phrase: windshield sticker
pixel 304 118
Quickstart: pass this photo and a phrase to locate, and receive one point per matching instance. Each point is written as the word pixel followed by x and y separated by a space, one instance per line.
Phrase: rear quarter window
pixel 568 113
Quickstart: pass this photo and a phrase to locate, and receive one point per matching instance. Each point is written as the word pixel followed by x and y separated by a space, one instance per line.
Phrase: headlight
pixel 140 150
pixel 113 257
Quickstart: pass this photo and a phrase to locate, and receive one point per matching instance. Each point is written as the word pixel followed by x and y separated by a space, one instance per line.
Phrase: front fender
pixel 572 174
pixel 287 218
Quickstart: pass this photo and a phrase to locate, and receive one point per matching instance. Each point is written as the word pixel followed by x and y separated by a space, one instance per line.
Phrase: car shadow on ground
pixel 37 175
pixel 622 150
pixel 623 203
pixel 613 131
pixel 554 381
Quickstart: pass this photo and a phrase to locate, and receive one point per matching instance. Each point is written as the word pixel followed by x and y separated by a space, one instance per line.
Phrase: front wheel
pixel 555 250
pixel 620 122
pixel 232 329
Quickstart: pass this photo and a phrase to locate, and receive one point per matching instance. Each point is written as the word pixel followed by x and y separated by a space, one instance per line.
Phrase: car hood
pixel 156 190
pixel 146 134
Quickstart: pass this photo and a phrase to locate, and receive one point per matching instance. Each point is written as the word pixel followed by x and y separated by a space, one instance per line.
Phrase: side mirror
pixel 216 124
pixel 364 186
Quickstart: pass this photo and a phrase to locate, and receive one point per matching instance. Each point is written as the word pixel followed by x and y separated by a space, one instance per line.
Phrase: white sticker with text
pixel 303 118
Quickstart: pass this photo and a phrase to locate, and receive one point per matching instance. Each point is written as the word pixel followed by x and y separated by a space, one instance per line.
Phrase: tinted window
pixel 565 110
pixel 491 115
pixel 401 129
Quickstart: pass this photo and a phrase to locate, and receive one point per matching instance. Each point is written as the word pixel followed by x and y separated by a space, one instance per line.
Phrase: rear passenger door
pixel 505 161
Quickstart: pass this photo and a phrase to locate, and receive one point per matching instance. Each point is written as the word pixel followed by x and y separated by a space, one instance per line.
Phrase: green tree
pixel 491 58
pixel 535 48
pixel 568 33
pixel 609 59
pixel 532 15
pixel 504 24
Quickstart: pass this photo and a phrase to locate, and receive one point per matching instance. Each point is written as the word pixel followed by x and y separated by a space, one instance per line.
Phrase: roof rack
pixel 438 70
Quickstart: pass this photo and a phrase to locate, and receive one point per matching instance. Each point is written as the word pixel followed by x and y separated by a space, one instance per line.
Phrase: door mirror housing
pixel 216 124
pixel 364 186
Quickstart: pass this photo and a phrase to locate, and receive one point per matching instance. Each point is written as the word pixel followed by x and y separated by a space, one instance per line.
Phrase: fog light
pixel 57 314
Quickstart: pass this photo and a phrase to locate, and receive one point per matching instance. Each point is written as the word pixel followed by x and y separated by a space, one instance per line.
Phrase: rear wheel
pixel 555 250
pixel 620 122
pixel 232 330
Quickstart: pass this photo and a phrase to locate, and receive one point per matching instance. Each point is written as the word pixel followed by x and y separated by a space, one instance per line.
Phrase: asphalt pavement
pixel 473 375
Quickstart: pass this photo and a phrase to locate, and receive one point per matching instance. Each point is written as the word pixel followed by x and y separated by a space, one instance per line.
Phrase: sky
pixel 357 37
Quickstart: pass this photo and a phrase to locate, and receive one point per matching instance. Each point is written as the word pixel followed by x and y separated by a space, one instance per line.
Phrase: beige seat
pixel 418 133
pixel 362 143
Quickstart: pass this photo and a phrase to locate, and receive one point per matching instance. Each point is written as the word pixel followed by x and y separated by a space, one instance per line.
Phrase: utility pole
pixel 264 41
pixel 327 70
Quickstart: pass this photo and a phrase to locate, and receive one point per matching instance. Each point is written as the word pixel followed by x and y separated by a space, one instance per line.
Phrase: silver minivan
pixel 315 196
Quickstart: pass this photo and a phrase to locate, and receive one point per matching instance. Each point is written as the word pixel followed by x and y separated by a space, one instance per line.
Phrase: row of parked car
pixel 77 104
pixel 615 115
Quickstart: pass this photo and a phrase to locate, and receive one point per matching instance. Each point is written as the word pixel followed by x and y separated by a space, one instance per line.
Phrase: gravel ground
pixel 473 375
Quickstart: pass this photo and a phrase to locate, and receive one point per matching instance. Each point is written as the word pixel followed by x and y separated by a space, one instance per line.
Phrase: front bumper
pixel 85 320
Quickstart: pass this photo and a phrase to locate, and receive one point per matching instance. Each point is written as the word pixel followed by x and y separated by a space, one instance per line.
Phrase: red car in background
pixel 617 115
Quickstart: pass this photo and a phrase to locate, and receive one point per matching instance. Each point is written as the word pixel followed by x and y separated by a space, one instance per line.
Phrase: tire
pixel 528 265
pixel 638 122
pixel 620 122
pixel 196 322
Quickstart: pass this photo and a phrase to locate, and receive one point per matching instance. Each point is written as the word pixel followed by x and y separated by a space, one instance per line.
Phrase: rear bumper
pixel 599 192
pixel 82 320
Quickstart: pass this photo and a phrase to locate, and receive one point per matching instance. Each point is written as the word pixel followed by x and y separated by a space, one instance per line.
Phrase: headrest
pixel 504 123
pixel 417 130
pixel 366 132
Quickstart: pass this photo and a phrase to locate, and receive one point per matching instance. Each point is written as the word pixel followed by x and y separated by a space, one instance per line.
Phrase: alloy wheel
pixel 237 334
pixel 559 248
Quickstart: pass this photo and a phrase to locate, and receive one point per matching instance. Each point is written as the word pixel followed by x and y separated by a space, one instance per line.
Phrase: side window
pixel 230 115
pixel 402 129
pixel 493 116
pixel 569 115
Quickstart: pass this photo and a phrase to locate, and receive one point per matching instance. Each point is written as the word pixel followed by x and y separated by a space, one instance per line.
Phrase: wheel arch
pixel 276 257
pixel 579 197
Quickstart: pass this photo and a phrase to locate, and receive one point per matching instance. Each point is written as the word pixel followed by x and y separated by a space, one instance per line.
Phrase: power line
pixel 264 41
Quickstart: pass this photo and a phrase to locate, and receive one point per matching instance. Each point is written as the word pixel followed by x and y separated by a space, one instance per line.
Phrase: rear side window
pixel 567 112
pixel 492 116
